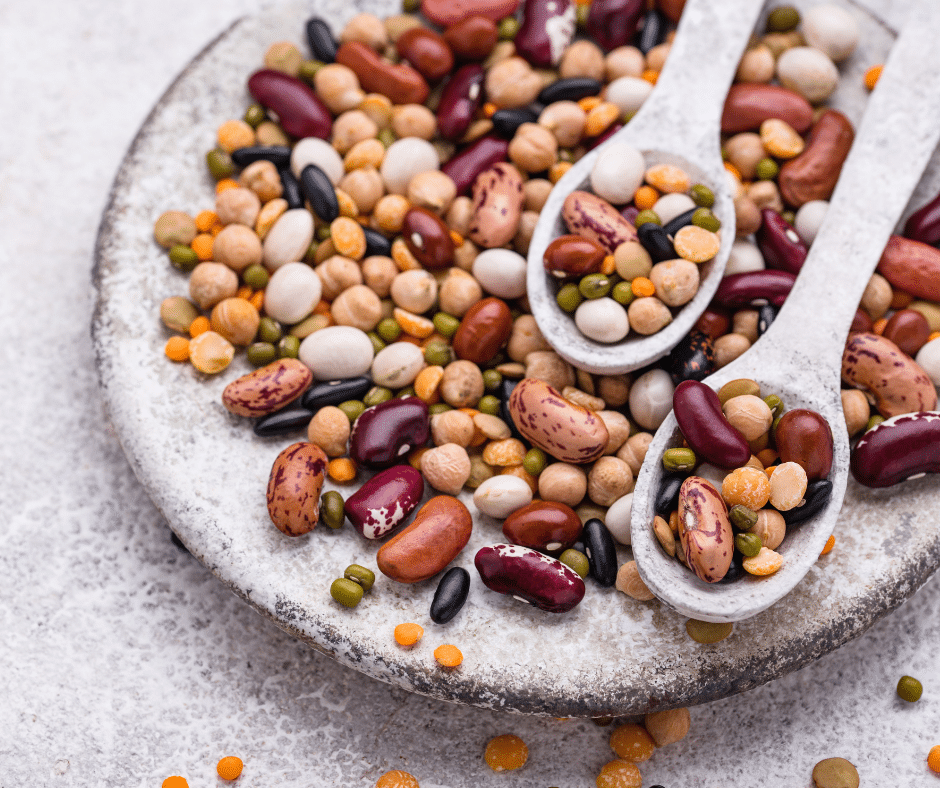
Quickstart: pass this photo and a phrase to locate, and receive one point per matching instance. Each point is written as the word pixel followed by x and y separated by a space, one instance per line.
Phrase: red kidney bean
pixel 333 392
pixel 318 189
pixel 693 358
pixel 572 256
pixel 543 525
pixel 898 449
pixel 478 157
pixel 385 501
pixel 814 501
pixel 427 52
pixel 460 101
pixel 300 111
pixel 450 595
pixel 472 38
pixel 547 29
pixel 861 322
pixel 779 244
pixel 449 12
pixel 804 437
pixel 741 289
pixel 400 83
pixel 529 576
pixel 908 329
pixel 569 89
pixel 705 428
pixel 653 31
pixel 713 322
pixel 748 105
pixel 320 38
pixel 612 23
pixel 601 552
pixel 924 224
pixel 385 433
pixel 813 174
pixel 428 238
pixel 912 266
pixel 485 328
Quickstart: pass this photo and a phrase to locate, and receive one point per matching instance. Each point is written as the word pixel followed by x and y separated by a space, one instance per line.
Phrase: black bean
pixel 376 243
pixel 682 220
pixel 506 121
pixel 735 568
pixel 333 392
pixel 318 189
pixel 765 316
pixel 601 551
pixel 816 497
pixel 667 499
pixel 291 193
pixel 570 89
pixel 278 155
pixel 450 595
pixel 653 238
pixel 503 392
pixel 321 40
pixel 693 358
pixel 282 422
pixel 653 32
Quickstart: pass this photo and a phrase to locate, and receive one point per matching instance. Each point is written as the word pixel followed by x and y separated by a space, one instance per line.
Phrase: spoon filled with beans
pixel 672 143
pixel 746 534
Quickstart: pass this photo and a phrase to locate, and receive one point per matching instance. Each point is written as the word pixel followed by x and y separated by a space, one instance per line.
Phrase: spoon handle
pixel 898 134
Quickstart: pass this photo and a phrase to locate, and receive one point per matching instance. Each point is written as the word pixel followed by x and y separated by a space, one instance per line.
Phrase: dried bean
pixel 699 414
pixel 450 595
pixel 460 100
pixel 530 577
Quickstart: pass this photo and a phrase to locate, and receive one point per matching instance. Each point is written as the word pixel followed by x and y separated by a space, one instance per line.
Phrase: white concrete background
pixel 123 661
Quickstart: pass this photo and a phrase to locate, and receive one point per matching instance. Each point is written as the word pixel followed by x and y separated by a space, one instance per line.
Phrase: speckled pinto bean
pixel 460 101
pixel 804 437
pixel 748 105
pixel 382 503
pixel 529 576
pixel 427 51
pixel 705 530
pixel 568 432
pixel 900 448
pixel 813 174
pixel 897 382
pixel 705 428
pixel 547 29
pixel 572 256
pixel 738 290
pixel 485 328
pixel 385 433
pixel 450 12
pixel 294 487
pixel 612 23
pixel 912 266
pixel 428 238
pixel 299 109
pixel 401 83
pixel 543 525
pixel 779 244
pixel 588 215
pixel 267 389
pixel 439 532
pixel 497 206
pixel 478 157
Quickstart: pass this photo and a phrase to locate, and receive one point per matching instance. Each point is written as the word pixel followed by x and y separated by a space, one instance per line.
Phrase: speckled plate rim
pixel 206 472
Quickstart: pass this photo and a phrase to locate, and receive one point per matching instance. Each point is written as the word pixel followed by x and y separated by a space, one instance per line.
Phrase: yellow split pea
pixel 696 244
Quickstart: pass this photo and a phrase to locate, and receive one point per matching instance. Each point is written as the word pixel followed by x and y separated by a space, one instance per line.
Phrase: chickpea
pixel 876 300
pixel 746 215
pixel 238 206
pixel 446 468
pixel 748 414
pixel 269 133
pixel 627 61
pixel 618 431
pixel 533 148
pixel 633 452
pixel 582 59
pixel 765 194
pixel 338 273
pixel 535 192
pixel 565 119
pixel 465 254
pixel 262 178
pixel 351 127
pixel 378 272
pixel 563 482
pixel 415 290
pixel 478 128
pixel 676 282
pixel 210 283
pixel 237 247
pixel 329 429
pixel 236 319
pixel 414 120
pixel 511 83
pixel 856 410
pixel 365 153
pixel 338 87
pixel 367 29
pixel 770 527
pixel 493 428
pixel 379 108
pixel 524 233
pixel 458 292
pixel 452 426
pixel 357 306
pixel 609 479
pixel 547 365
pixel 501 52
pixel 433 190
pixel 462 384
pixel 525 338
pixel 614 390
pixel 648 315
pixel 365 186
pixel 284 56
pixel 745 322
pixel 757 65
pixel 389 213
pixel 729 347
pixel 656 57
pixel 744 151
pixel 459 215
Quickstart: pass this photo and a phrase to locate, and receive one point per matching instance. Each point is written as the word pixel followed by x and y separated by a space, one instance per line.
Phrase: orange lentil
pixel 226 183
pixel 879 325
pixel 257 299
pixel 244 292
pixel 600 118
pixel 632 742
pixel 872 76
pixel 415 325
pixel 427 382
pixel 733 170
pixel 645 198
pixel 177 349
pixel 557 170
pixel 589 102
pixel 619 774
pixel 457 238
pixel 396 779
pixel 206 220
pixel 506 753
pixel 175 782
pixel 933 335
pixel 199 326
pixel 933 758
pixel 322 308
pixel 342 470
pixel 229 768
pixel 668 178
pixel 900 299
pixel 202 245
pixel 830 543
pixel 489 109
pixel 609 265
pixel 449 656
pixel 408 634
pixel 641 286
pixel 650 76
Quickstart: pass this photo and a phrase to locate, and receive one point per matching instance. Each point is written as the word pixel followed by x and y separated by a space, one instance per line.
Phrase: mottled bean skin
pixel 382 503
pixel 294 487
pixel 477 157
pixel 401 83
pixel 572 256
pixel 748 105
pixel 450 12
pixel 612 23
pixel 813 174
pixel 804 437
pixel 779 244
pixel 543 525
pixel 741 289
pixel 547 29
pixel 427 52
pixel 705 428
pixel 428 238
pixel 385 433
pixel 588 215
pixel 460 100
pixel 693 358
pixel 299 109
pixel 497 206
pixel 897 449
pixel 912 266
pixel 485 328
pixel 529 576
pixel 267 389
pixel 705 530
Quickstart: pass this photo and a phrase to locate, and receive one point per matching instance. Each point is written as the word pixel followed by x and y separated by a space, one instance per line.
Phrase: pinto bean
pixel 294 486
pixel 705 530
pixel 590 216
pixel 497 206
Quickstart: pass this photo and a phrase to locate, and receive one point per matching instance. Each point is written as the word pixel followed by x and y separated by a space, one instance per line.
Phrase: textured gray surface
pixel 124 660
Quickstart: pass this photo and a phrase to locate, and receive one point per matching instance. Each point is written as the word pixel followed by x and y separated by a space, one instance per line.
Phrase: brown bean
pixel 294 486
pixel 804 437
pixel 427 52
pixel 448 12
pixel 428 238
pixel 485 328
pixel 813 174
pixel 748 105
pixel 912 266
pixel 497 206
pixel 472 38
pixel 671 8
pixel 909 330
pixel 401 83
pixel 543 525
pixel 571 256
pixel 267 389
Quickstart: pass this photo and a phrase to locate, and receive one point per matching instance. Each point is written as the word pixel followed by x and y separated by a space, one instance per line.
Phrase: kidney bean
pixel 318 189
pixel 460 100
pixel 909 330
pixel 897 382
pixel 282 422
pixel 569 89
pixel 497 206
pixel 450 595
pixel 779 244
pixel 400 83
pixel 813 174
pixel 750 104
pixel 428 238
pixel 292 192
pixel 548 526
pixel 278 155
pixel 294 485
pixel 612 23
pixel 333 392
pixel 653 31
pixel 713 322
pixel 267 389
pixel 377 245
pixel 693 358
pixel 385 433
pixel 912 266
pixel 804 437
pixel 320 37
pixel 485 328
pixel 741 289
pixel 439 532
pixel 300 111
pixel 861 322
pixel 924 224
pixel 601 552
pixel 472 38
pixel 815 498
pixel 571 257
pixel 382 503
pixel 671 8
pixel 529 576
pixel 449 12
pixel 667 497
pixel 900 448
pixel 477 157
pixel 705 530
pixel 427 52
pixel 654 239
pixel 547 29
pixel 589 216
pixel 705 428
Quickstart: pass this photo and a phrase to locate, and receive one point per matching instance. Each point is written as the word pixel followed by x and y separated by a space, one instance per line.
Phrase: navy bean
pixel 385 501
pixel 779 243
pixel 897 449
pixel 766 314
pixel 815 499
pixel 529 576
pixel 612 23
pixel 450 595
pixel 283 422
pixel 570 89
pixel 460 100
pixel 333 392
pixel 385 433
pixel 291 189
pixel 278 155
pixel 319 191
pixel 741 289
pixel 667 497
pixel 705 428
pixel 682 220
pixel 376 243
pixel 653 32
pixel 693 358
pixel 653 238
pixel 506 121
pixel 477 157
pixel 300 111
pixel 601 552
pixel 321 40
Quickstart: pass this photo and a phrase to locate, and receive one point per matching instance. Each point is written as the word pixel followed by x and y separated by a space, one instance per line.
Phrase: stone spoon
pixel 679 123
pixel 800 356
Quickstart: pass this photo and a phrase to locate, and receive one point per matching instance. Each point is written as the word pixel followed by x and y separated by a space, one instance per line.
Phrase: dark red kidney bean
pixel 573 256
pixel 283 422
pixel 472 38
pixel 815 499
pixel 601 552
pixel 299 110
pixel 862 322
pixel 741 289
pixel 507 121
pixel 682 220
pixel 529 576
pixel 653 238
pixel 693 358
pixel 570 89
pixel 460 100
pixel 667 496
pixel 804 437
pixel 714 322
pixel 600 139
pixel 653 31
pixel 705 428
pixel 292 192
pixel 278 155
pixel 385 501
pixel 320 38
pixel 376 243
pixel 779 244
pixel 543 525
pixel 612 23
pixel 385 433
pixel 400 83
pixel 451 593
pixel 912 266
pixel 898 449
pixel 427 52
pixel 478 157
pixel 318 189
pixel 428 238
pixel 766 314
pixel 924 224
pixel 908 329
pixel 748 105
pixel 333 392
pixel 547 29
pixel 485 328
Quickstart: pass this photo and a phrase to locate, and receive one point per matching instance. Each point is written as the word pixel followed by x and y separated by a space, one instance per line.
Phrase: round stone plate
pixel 207 472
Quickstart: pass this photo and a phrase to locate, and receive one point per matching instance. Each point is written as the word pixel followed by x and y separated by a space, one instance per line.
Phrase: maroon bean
pixel 713 322
pixel 900 448
pixel 478 157
pixel 427 52
pixel 300 111
pixel 671 8
pixel 382 503
pixel 400 83
pixel 547 29
pixel 543 525
pixel 572 256
pixel 485 328
pixel 861 322
pixel 748 105
pixel 460 100
pixel 385 433
pixel 924 224
pixel 813 174
pixel 741 289
pixel 804 437
pixel 779 244
pixel 909 330
pixel 428 238
pixel 529 576
pixel 612 23
pixel 705 428
pixel 473 38
pixel 630 212
pixel 450 12
pixel 912 266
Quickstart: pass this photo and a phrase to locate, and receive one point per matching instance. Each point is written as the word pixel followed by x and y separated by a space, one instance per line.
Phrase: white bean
pixel 404 159
pixel 809 219
pixel 651 398
pixel 312 150
pixel 337 352
pixel 669 206
pixel 618 518
pixel 809 72
pixel 289 238
pixel 602 319
pixel 500 496
pixel 744 257
pixel 397 365
pixel 501 272
pixel 929 358
pixel 293 291
pixel 832 29
pixel 628 93
pixel 618 173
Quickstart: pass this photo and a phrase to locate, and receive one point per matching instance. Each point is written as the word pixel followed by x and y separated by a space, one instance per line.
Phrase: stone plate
pixel 207 472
